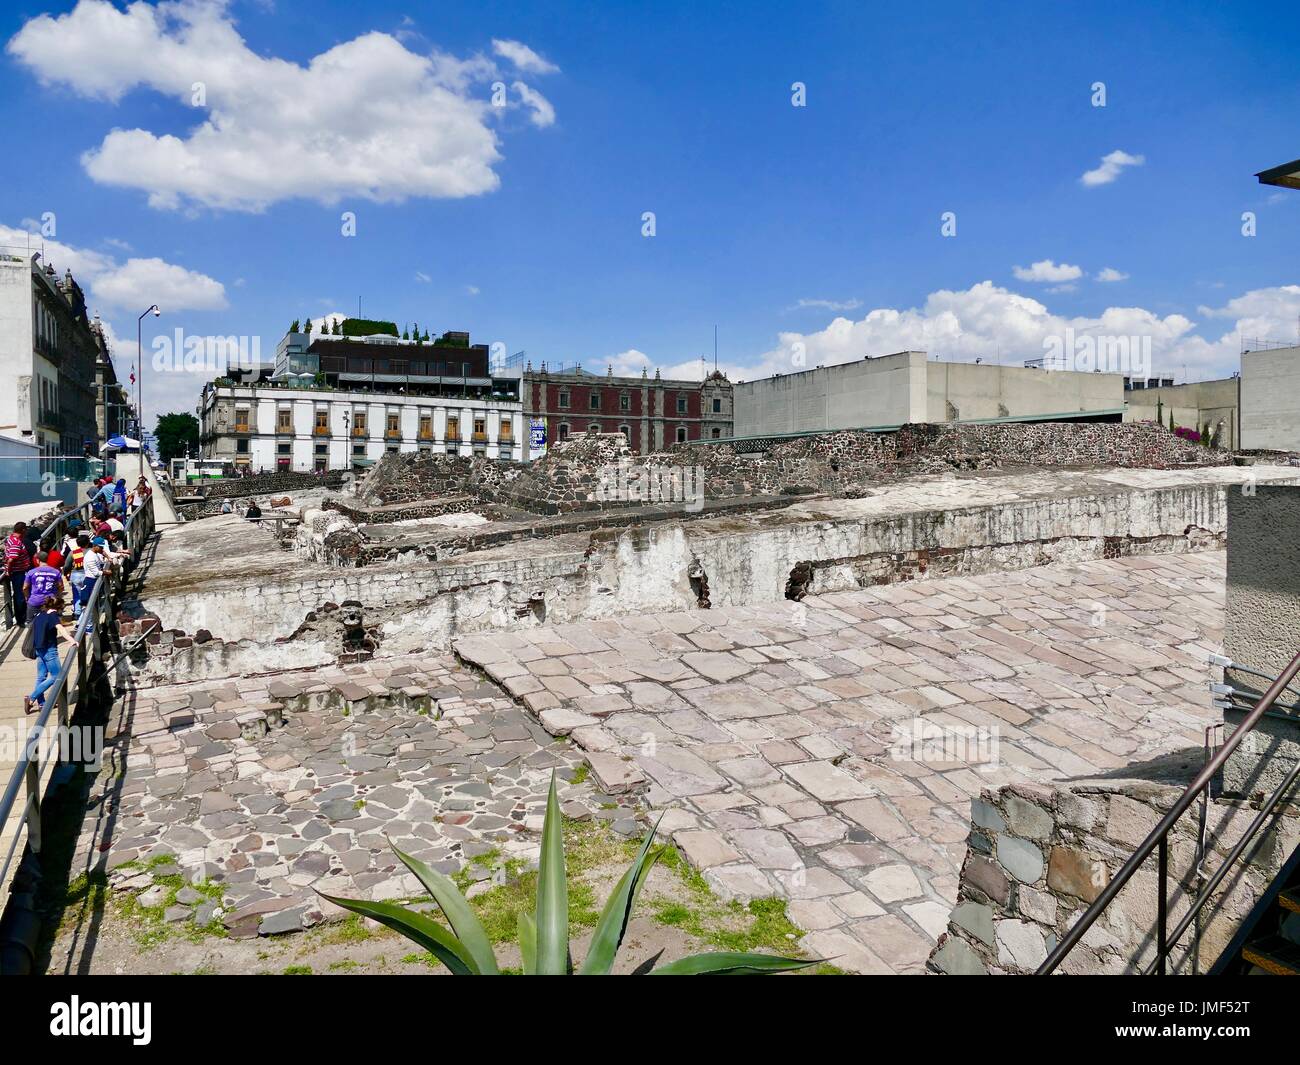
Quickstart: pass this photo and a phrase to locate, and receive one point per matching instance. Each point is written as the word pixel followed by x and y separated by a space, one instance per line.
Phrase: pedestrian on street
pixel 18 560
pixel 47 632
pixel 119 496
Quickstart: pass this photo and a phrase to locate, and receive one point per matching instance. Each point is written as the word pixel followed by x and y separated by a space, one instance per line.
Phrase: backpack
pixel 29 642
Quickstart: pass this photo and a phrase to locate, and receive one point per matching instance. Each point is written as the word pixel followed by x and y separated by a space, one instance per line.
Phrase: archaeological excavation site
pixel 908 702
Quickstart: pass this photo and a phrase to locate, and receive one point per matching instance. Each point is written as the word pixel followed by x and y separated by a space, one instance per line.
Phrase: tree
pixel 176 434
pixel 1171 419
pixel 294 328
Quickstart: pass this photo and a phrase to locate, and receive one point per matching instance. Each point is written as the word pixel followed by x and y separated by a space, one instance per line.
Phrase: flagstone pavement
pixel 827 751
pixel 790 748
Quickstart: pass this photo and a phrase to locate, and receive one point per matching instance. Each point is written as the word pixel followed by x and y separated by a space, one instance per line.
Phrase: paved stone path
pixel 828 750
pixel 272 787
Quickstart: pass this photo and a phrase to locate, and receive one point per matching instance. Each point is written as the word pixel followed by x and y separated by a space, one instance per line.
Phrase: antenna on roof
pixel 715 349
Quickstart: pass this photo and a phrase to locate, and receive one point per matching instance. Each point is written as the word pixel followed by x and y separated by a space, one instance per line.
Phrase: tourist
pixel 42 581
pixel 46 633
pixel 113 524
pixel 227 507
pixel 74 568
pixel 102 500
pixel 119 496
pixel 254 512
pixel 18 560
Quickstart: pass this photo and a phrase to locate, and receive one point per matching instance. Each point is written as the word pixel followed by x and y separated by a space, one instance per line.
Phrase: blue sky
pixel 811 229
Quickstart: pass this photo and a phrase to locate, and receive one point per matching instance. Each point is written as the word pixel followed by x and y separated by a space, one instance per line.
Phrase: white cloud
pixel 471 290
pixel 422 277
pixel 367 119
pixel 829 305
pixel 137 283
pixel 523 57
pixel 1110 168
pixel 988 321
pixel 542 113
pixel 1047 271
pixel 132 285
pixel 1109 273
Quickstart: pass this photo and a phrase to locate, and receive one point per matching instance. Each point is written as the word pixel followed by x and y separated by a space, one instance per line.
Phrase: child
pixel 45 639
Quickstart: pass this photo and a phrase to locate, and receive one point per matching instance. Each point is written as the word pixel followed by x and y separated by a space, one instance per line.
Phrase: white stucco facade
pixel 305 429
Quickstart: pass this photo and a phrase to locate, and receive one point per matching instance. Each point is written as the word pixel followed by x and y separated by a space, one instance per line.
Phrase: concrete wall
pixel 1262 624
pixel 1270 399
pixel 965 391
pixel 854 395
pixel 897 389
pixel 1194 405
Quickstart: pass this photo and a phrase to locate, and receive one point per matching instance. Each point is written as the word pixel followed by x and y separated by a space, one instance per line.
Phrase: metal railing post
pixel 1162 905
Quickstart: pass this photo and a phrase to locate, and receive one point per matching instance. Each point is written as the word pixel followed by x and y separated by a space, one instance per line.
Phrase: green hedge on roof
pixel 364 327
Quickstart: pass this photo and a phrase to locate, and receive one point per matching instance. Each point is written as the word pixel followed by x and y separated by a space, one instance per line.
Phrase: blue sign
pixel 537 436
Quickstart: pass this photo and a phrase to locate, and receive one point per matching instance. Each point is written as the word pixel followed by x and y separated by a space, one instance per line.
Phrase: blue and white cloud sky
pixel 499 159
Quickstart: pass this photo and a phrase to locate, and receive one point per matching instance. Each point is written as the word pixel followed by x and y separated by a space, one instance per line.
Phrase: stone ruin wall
pixel 1037 856
pixel 568 477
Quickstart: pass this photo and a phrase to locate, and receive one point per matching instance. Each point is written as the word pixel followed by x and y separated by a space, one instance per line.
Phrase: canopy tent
pixel 121 443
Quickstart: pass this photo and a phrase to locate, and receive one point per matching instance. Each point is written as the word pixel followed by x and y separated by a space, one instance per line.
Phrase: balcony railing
pixel 242 427
pixel 320 430
pixel 392 434
pixel 359 430
pixel 284 430
pixel 426 434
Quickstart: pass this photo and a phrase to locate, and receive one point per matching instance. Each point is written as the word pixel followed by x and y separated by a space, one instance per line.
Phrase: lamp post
pixel 139 373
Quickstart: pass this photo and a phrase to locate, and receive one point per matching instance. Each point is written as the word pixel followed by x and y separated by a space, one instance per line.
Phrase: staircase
pixel 1268 942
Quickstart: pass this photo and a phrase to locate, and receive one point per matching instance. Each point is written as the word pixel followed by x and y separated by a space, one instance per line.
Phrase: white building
pixel 48 351
pixel 269 427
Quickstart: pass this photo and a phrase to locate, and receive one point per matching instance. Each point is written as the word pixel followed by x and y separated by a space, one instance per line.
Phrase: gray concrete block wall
pixel 1262 623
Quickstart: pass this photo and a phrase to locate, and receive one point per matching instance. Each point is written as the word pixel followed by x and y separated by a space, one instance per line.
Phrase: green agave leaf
pixel 552 894
pixel 732 963
pixel 528 942
pixel 612 925
pixel 418 928
pixel 462 919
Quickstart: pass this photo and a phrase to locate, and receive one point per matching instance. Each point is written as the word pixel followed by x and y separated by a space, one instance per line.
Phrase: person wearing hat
pixel 46 633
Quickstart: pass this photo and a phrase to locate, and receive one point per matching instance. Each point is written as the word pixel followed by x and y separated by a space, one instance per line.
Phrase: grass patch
pixel 297 970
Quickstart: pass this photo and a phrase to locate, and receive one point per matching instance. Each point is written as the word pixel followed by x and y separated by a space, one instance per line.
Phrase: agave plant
pixel 544 934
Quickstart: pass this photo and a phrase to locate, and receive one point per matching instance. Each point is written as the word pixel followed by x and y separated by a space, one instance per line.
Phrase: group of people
pixel 37 576
pixel 113 497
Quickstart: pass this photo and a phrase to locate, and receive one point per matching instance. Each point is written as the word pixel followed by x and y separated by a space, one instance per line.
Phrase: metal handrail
pixel 29 771
pixel 1158 839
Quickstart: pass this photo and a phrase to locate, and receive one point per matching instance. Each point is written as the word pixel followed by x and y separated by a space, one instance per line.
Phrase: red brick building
pixel 652 412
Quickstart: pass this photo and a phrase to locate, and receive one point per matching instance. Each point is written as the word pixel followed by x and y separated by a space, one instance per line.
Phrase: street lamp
pixel 139 373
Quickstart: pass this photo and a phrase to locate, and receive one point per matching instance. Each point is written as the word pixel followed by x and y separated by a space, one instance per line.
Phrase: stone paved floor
pixel 828 750
pixel 273 787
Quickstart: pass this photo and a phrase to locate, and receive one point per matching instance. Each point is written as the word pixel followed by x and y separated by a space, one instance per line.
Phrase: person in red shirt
pixel 18 560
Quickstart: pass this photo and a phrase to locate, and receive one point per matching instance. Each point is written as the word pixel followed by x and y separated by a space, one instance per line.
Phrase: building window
pixel 426 426
pixel 594 427
pixel 322 449
pixel 564 399
pixel 283 449
pixel 359 423
pixel 717 405
pixel 681 403
pixel 563 432
pixel 453 427
pixel 626 430
pixel 681 434
pixel 241 447
pixel 506 432
pixel 391 425
pixel 391 449
pixel 358 450
pixel 322 421
pixel 284 420
pixel 595 400
pixel 717 434
pixel 625 402
pixel 241 420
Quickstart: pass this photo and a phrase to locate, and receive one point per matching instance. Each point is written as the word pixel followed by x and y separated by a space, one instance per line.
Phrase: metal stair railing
pixel 1158 840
